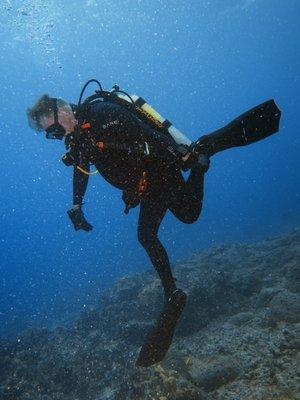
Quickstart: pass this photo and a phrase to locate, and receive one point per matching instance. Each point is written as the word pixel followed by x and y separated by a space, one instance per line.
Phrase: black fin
pixel 250 127
pixel 159 339
pixel 257 123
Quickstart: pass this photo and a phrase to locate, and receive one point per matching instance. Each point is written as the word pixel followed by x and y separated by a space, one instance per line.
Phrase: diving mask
pixel 56 130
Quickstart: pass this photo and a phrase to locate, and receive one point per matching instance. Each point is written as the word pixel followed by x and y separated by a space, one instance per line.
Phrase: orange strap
pixel 85 125
pixel 100 145
pixel 143 184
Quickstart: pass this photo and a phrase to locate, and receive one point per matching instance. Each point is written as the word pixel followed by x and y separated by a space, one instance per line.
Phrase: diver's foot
pixel 202 163
pixel 196 161
pixel 196 152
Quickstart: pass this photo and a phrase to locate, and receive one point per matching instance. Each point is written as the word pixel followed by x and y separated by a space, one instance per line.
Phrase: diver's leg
pixel 151 214
pixel 159 338
pixel 187 201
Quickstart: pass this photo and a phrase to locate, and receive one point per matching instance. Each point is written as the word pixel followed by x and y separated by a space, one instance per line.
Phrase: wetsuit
pixel 123 148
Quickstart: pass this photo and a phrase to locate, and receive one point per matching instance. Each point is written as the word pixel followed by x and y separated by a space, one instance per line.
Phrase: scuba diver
pixel 141 153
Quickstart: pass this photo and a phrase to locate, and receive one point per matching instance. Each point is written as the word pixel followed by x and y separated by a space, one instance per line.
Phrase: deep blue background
pixel 200 63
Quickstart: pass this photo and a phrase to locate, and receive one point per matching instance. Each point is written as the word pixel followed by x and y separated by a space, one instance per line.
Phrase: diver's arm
pixel 80 181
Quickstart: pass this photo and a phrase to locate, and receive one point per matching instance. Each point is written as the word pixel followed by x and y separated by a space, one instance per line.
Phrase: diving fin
pixel 159 339
pixel 250 127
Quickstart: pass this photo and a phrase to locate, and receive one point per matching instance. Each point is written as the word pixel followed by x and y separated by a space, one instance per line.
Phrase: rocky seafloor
pixel 239 337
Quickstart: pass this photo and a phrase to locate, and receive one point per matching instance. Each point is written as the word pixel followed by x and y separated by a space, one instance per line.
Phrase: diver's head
pixel 55 116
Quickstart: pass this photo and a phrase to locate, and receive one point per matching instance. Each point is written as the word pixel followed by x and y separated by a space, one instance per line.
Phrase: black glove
pixel 77 217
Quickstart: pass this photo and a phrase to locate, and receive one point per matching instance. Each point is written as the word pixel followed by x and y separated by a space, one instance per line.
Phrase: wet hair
pixel 43 108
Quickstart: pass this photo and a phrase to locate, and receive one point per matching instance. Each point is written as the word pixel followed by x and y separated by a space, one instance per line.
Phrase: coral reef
pixel 239 337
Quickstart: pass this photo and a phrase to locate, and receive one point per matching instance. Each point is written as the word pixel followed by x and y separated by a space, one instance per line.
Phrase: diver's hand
pixel 78 219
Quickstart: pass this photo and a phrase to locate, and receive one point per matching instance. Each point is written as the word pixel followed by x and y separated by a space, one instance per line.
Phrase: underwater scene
pixel 150 200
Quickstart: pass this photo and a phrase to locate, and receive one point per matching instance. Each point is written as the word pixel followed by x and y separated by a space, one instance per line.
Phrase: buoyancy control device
pixel 137 105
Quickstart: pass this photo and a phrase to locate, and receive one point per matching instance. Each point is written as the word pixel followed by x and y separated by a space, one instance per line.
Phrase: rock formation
pixel 239 337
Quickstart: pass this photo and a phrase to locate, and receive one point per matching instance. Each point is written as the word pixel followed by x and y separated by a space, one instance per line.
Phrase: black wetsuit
pixel 104 122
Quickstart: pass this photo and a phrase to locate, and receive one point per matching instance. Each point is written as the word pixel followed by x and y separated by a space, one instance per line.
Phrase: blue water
pixel 200 63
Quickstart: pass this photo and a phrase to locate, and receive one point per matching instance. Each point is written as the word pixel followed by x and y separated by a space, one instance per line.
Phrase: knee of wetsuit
pixel 191 216
pixel 190 219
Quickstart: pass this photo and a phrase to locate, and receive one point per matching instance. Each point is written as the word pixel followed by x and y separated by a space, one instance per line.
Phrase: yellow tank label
pixel 149 110
pixel 149 116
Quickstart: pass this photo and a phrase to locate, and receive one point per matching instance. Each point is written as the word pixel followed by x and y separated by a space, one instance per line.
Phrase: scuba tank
pixel 149 115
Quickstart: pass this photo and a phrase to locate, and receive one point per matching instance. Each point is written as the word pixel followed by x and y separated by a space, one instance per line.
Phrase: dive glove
pixel 78 219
